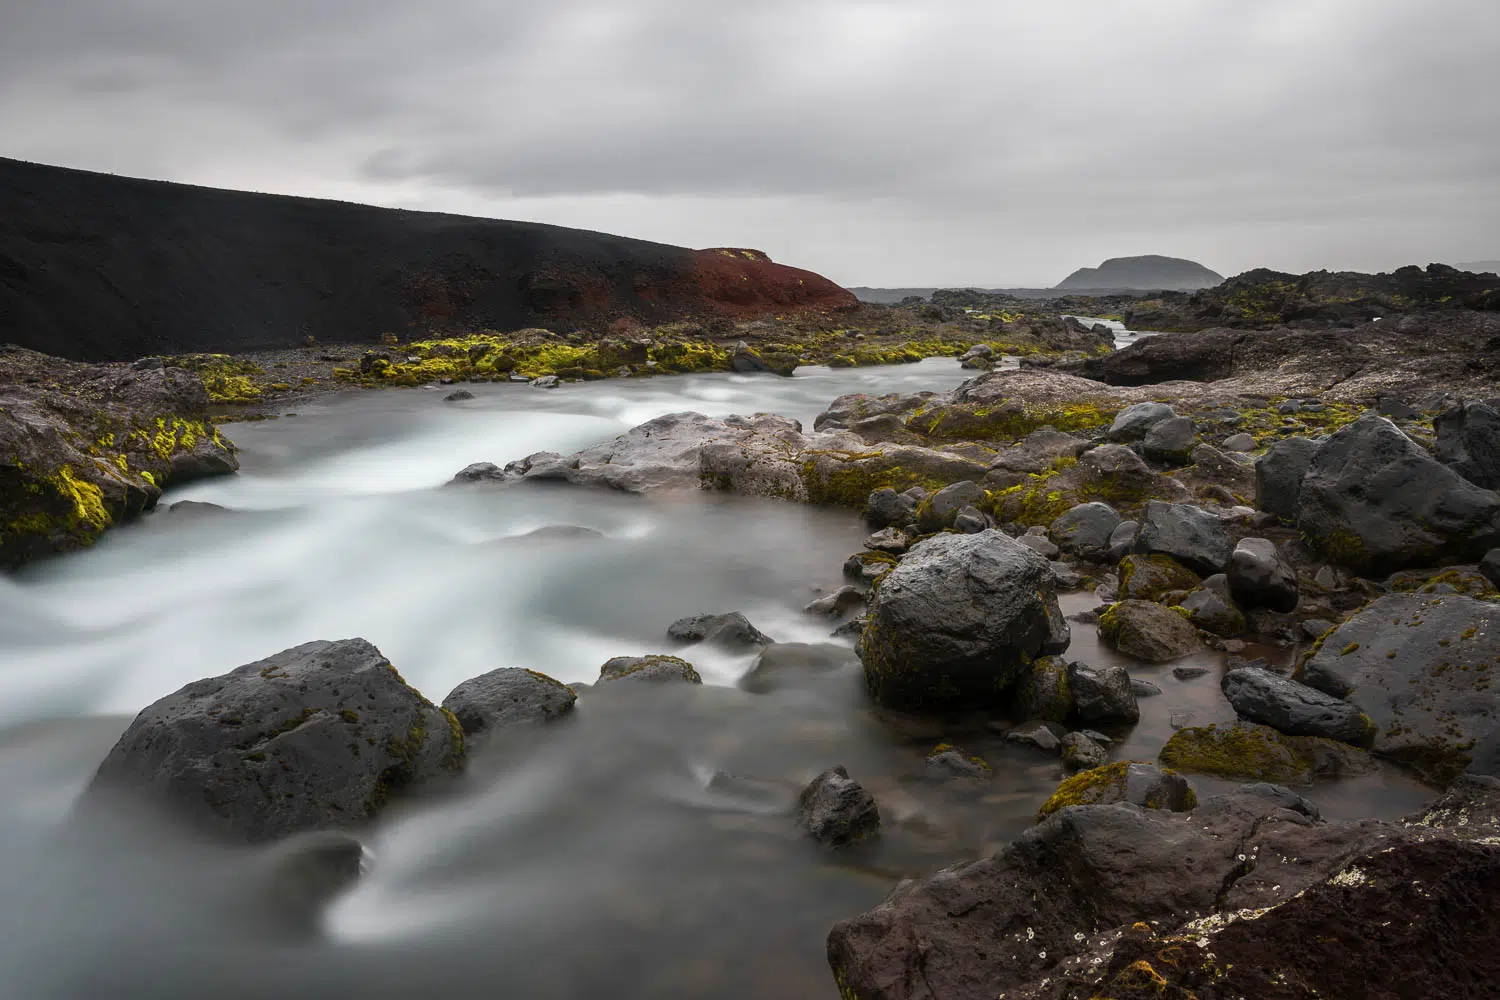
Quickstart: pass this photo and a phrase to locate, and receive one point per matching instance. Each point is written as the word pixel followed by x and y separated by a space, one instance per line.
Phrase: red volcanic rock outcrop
pixel 98 267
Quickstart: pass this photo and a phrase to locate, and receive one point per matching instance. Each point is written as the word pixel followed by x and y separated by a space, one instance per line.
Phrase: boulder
pixel 1171 441
pixel 1259 753
pixel 886 508
pixel 1133 782
pixel 1080 753
pixel 731 630
pixel 970 521
pixel 835 810
pixel 1085 530
pixel 1259 577
pixel 315 737
pixel 959 620
pixel 1040 544
pixel 1148 632
pixel 654 668
pixel 458 396
pixel 1148 577
pixel 1135 421
pixel 1102 694
pixel 1190 535
pixel 892 540
pixel 1294 708
pixel 1468 442
pixel 1375 501
pixel 1423 668
pixel 939 510
pixel 1039 452
pixel 1208 611
pixel 1044 691
pixel 509 696
pixel 1039 734
pixel 1279 473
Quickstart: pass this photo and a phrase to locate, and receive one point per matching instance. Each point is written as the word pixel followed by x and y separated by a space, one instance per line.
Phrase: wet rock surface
pixel 1295 709
pixel 731 630
pixel 1148 632
pixel 1188 534
pixel 835 810
pixel 958 620
pixel 509 696
pixel 316 737
pixel 657 668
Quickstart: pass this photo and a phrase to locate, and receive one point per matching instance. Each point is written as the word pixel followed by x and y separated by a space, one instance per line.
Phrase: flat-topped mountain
pixel 99 267
pixel 1148 273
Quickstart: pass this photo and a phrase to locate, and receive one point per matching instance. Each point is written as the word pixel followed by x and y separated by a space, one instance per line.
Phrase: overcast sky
pixel 922 142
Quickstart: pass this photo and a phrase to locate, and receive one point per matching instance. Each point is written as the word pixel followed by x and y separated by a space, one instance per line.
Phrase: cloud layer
pixel 881 143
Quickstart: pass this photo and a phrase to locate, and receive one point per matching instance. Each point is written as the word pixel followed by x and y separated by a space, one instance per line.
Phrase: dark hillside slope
pixel 99 267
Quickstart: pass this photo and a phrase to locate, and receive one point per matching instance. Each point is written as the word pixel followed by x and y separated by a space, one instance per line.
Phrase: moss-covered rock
pixel 1042 691
pixel 1137 782
pixel 1148 632
pixel 1146 577
pixel 94 449
pixel 656 667
pixel 1259 753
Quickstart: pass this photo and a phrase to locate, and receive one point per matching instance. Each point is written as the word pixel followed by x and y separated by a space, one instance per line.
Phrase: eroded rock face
pixel 509 696
pixel 958 621
pixel 1105 901
pixel 1422 668
pixel 315 737
pixel 1375 501
pixel 77 460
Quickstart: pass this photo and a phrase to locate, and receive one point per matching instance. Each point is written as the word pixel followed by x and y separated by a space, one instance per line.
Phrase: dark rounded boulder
pixel 314 737
pixel 1189 534
pixel 1278 475
pixel 509 696
pixel 730 629
pixel 1085 530
pixel 1102 694
pixel 1260 578
pixel 959 620
pixel 1294 708
pixel 1148 632
pixel 654 668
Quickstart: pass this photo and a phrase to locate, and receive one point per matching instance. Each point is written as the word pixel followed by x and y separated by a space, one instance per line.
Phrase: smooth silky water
pixel 595 857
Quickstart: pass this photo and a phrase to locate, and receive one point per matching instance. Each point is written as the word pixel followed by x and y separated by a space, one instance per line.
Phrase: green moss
pixel 847 479
pixel 457 752
pixel 1009 421
pixel 1088 788
pixel 1147 577
pixel 1043 692
pixel 1253 753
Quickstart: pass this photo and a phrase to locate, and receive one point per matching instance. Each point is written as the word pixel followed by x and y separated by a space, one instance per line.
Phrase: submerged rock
pixel 835 810
pixel 730 629
pixel 1423 668
pixel 958 621
pixel 1042 734
pixel 1082 753
pixel 314 737
pixel 509 696
pixel 655 668
pixel 948 761
pixel 785 664
pixel 1044 692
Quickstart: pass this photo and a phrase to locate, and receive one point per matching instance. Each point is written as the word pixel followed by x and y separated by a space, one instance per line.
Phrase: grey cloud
pixel 1160 122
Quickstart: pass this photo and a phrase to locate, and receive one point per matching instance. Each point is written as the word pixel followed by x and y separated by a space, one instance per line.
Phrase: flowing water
pixel 608 855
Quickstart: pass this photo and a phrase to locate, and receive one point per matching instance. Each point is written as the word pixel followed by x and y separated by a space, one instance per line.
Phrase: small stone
pixel 458 396
pixel 970 521
pixel 1041 545
pixel 1188 673
pixel 731 629
pixel 1241 442
pixel 835 810
pixel 1040 734
pixel 655 668
pixel 1144 689
pixel 1102 694
pixel 1132 423
pixel 892 540
pixel 948 761
pixel 509 696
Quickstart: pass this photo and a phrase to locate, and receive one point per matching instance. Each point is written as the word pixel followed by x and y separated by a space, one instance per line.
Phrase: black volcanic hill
pixel 1146 273
pixel 99 267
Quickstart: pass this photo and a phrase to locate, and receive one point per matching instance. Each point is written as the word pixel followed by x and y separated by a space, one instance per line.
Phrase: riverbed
pixel 639 850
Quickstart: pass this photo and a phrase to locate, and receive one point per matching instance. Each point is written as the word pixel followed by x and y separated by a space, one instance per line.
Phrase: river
pixel 598 857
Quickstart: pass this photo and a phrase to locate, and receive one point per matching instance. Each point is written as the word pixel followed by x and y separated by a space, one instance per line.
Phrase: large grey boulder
pixel 886 508
pixel 1424 669
pixel 1294 708
pixel 1189 534
pixel 1260 578
pixel 1278 475
pixel 1102 694
pixel 510 696
pixel 1148 632
pixel 1375 501
pixel 1085 530
pixel 315 737
pixel 730 629
pixel 654 668
pixel 1468 442
pixel 1133 422
pixel 958 621
pixel 835 810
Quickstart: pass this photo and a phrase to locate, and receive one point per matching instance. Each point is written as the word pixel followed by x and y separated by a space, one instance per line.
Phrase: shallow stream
pixel 597 857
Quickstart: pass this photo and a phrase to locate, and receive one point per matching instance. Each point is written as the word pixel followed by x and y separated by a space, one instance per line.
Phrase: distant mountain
pixel 1147 272
pixel 1480 266
pixel 99 267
